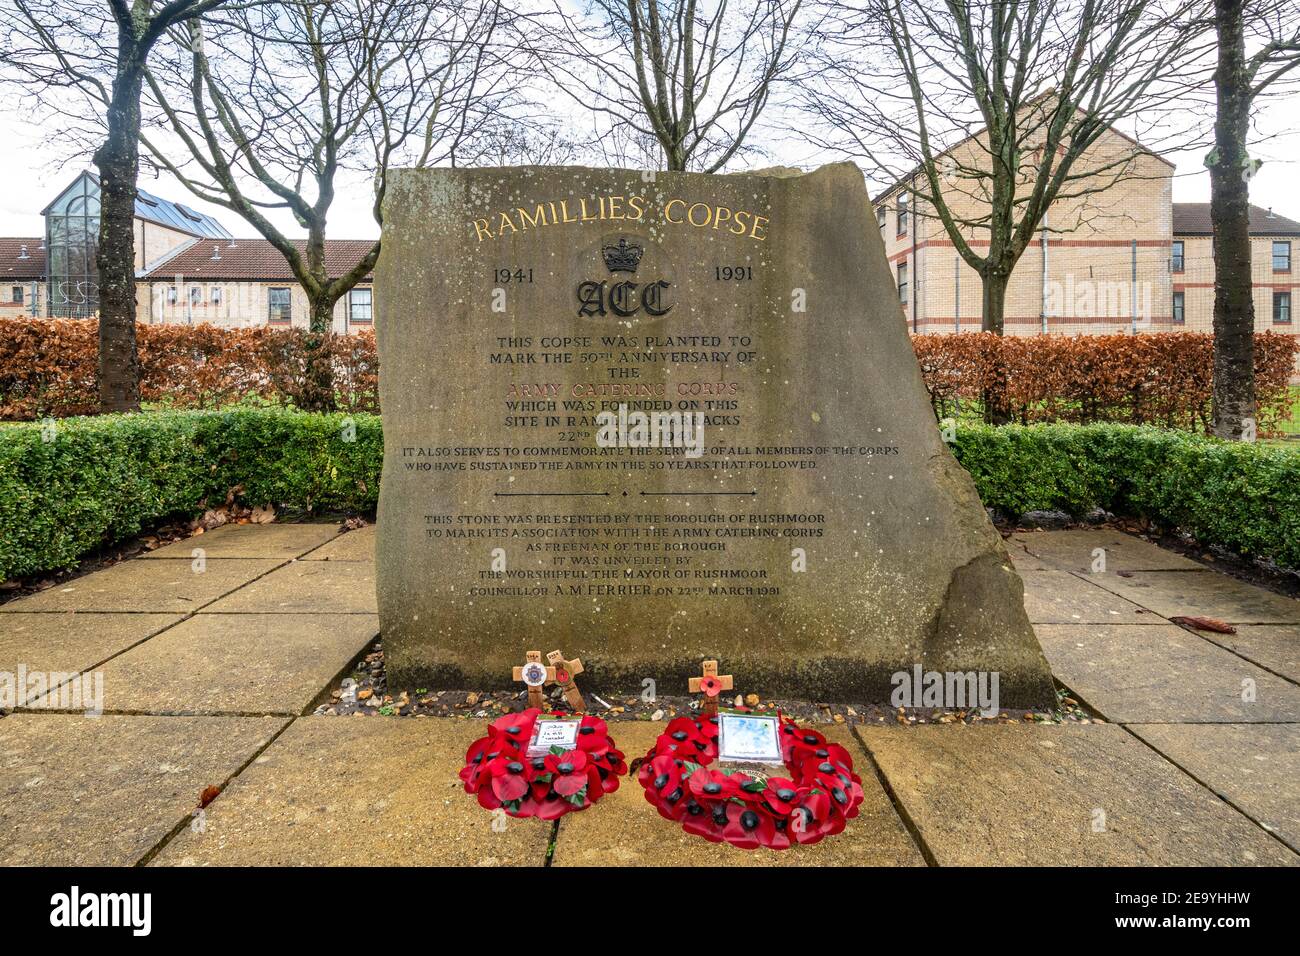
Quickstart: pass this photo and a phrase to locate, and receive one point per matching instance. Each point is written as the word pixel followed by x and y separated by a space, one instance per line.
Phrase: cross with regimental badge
pixel 535 675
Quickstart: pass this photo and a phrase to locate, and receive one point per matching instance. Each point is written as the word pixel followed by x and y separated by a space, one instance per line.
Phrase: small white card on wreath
pixel 553 732
pixel 749 738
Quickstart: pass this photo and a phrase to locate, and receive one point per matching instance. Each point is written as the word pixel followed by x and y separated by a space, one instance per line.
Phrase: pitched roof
pixel 1193 219
pixel 176 215
pixel 253 259
pixel 14 266
pixel 1029 104
pixel 155 209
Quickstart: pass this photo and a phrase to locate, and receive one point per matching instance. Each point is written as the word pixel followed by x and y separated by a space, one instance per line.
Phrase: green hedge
pixel 103 479
pixel 1245 497
pixel 88 482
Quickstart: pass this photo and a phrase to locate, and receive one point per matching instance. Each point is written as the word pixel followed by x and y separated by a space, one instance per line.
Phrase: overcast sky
pixel 30 177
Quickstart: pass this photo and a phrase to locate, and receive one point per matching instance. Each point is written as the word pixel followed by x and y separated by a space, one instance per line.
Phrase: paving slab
pixel 349 791
pixel 237 664
pixel 165 586
pixel 72 641
pixel 625 830
pixel 304 587
pixel 1024 561
pixel 1256 767
pixel 1059 795
pixel 1275 647
pixel 1075 550
pixel 1209 593
pixel 80 791
pixel 358 545
pixel 282 541
pixel 1164 673
pixel 1059 597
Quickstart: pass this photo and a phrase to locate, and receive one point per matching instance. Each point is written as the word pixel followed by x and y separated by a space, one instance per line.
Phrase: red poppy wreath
pixel 818 796
pixel 499 771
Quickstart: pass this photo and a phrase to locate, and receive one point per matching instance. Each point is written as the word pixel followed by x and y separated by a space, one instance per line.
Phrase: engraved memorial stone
pixel 661 418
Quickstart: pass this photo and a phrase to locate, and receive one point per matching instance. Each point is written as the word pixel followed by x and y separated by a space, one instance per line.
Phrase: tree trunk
pixel 1230 170
pixel 117 160
pixel 318 389
pixel 997 402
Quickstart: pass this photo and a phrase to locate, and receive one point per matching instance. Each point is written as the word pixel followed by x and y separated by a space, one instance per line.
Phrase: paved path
pixel 214 650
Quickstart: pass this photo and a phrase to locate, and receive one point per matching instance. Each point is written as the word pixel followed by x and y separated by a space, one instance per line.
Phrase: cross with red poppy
pixel 565 671
pixel 535 674
pixel 711 683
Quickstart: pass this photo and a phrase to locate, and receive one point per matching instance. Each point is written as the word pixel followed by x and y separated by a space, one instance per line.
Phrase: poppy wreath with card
pixel 499 772
pixel 818 796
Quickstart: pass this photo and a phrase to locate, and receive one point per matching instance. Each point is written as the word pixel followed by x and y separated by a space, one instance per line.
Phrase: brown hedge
pixel 47 367
pixel 1161 379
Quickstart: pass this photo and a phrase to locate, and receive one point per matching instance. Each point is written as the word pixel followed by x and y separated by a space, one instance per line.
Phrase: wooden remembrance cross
pixel 565 672
pixel 712 684
pixel 533 664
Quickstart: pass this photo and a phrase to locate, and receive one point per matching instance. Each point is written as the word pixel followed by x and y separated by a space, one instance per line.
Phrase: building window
pixel 882 216
pixel 1177 261
pixel 1281 257
pixel 1281 307
pixel 280 311
pixel 196 295
pixel 1180 308
pixel 902 282
pixel 902 215
pixel 17 296
pixel 214 295
pixel 360 304
pixel 173 295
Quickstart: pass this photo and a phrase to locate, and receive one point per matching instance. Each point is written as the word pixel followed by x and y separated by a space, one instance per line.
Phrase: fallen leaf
pixel 1205 624
pixel 209 794
pixel 262 515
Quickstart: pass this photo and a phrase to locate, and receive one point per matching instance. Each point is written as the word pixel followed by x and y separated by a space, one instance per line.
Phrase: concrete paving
pixel 278 541
pixel 306 587
pixel 105 791
pixel 373 791
pixel 1088 550
pixel 1202 593
pixel 1060 597
pixel 1164 674
pixel 237 664
pixel 1255 768
pixel 69 641
pixel 271 614
pixel 160 586
pixel 356 545
pixel 1068 795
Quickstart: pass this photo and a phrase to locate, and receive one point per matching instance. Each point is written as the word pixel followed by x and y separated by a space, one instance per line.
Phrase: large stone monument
pixel 655 418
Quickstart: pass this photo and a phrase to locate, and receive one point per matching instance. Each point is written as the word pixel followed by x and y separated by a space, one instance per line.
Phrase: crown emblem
pixel 624 257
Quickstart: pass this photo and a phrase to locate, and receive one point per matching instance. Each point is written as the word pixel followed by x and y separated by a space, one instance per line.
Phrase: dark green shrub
pixel 98 480
pixel 103 479
pixel 1245 497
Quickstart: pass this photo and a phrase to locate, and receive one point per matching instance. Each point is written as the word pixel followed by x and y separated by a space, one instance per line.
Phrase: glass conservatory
pixel 71 242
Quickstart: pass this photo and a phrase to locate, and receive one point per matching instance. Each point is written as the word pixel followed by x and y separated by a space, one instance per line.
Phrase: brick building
pixel 189 268
pixel 1123 258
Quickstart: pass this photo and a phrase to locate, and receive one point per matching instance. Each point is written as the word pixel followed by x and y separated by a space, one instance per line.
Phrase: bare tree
pixel 271 104
pixel 1241 81
pixel 97 53
pixel 986 112
pixel 691 77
